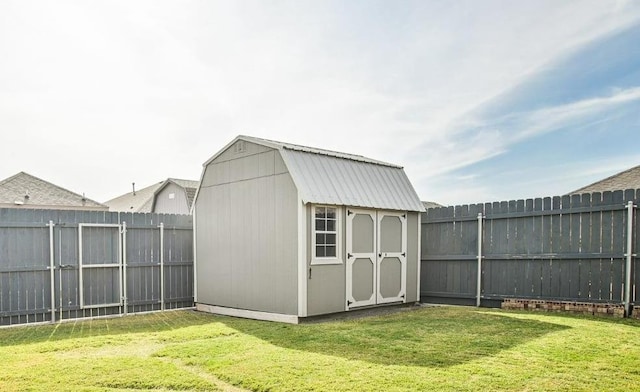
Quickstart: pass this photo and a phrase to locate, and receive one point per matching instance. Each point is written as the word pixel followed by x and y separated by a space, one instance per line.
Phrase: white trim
pixel 350 260
pixel 402 295
pixel 250 314
pixel 326 260
pixel 195 256
pixel 302 258
pixel 116 264
pixel 419 255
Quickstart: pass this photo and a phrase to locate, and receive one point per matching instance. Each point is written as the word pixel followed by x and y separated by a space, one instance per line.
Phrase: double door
pixel 376 257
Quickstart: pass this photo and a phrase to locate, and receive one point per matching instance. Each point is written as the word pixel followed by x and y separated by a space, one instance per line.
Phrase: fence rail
pixel 565 248
pixel 59 264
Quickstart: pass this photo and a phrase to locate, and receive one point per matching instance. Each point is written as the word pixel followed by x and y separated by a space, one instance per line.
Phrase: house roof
pixel 331 177
pixel 30 191
pixel 142 200
pixel 628 179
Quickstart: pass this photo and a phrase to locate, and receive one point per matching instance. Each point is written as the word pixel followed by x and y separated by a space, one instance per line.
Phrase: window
pixel 326 239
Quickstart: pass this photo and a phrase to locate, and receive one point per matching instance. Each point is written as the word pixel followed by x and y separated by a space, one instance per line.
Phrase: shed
pixel 285 232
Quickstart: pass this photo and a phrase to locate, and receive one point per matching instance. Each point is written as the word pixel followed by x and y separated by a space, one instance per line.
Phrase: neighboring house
pixel 172 196
pixel 431 204
pixel 628 179
pixel 285 231
pixel 26 191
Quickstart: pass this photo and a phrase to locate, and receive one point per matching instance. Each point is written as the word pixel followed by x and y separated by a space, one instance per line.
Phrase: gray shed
pixel 285 232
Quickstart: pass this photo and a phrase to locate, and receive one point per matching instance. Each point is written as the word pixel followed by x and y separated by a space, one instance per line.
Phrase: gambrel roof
pixel 336 178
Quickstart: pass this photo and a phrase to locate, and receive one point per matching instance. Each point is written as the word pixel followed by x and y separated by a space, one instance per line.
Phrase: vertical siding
pixel 326 285
pixel 247 233
pixel 165 205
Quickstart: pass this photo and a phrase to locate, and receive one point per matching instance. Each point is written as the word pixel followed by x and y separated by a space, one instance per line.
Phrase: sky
pixel 478 100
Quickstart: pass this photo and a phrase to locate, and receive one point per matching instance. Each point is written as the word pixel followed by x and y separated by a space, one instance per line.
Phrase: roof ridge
pixel 319 151
pixel 6 180
pixel 607 178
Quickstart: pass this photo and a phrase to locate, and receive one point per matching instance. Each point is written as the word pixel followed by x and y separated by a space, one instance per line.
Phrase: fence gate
pixel 57 265
pixel 100 265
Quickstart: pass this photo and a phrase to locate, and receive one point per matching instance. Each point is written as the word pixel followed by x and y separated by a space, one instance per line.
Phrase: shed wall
pixel 176 205
pixel 247 232
pixel 326 286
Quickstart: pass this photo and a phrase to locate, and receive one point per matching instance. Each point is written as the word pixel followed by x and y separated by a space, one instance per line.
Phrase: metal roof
pixel 337 178
pixel 326 179
pixel 29 191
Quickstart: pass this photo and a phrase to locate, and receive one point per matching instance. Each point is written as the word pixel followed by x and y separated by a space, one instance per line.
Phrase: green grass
pixel 438 348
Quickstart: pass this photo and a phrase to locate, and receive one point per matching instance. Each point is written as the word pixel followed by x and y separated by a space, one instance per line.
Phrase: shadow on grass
pixel 103 327
pixel 432 337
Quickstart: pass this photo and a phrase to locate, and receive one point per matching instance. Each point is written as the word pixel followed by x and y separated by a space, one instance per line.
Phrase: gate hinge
pixel 403 254
pixel 349 255
pixel 349 303
pixel 402 296
pixel 349 212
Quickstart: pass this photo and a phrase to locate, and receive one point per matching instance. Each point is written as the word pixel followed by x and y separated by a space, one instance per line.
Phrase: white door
pixel 392 257
pixel 361 258
pixel 376 257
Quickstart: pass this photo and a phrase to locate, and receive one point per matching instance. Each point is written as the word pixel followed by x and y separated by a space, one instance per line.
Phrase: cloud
pixel 138 91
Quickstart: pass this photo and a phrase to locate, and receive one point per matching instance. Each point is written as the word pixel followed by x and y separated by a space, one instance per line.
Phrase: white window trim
pixel 326 260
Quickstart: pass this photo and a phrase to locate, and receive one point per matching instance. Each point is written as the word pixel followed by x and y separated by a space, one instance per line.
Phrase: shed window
pixel 325 235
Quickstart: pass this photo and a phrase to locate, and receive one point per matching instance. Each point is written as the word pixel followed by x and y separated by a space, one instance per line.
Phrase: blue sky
pixel 478 100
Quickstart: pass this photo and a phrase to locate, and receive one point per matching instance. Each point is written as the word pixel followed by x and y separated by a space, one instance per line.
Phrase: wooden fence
pixel 564 248
pixel 57 265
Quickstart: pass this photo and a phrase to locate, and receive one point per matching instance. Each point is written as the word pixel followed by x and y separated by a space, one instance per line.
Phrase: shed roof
pixel 32 192
pixel 627 179
pixel 189 186
pixel 337 178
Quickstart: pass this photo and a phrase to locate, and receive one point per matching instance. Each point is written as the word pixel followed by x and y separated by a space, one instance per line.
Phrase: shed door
pixel 361 258
pixel 392 257
pixel 376 257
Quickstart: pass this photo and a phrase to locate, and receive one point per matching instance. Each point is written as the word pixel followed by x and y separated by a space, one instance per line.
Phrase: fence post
pixel 52 270
pixel 479 283
pixel 629 255
pixel 124 268
pixel 161 266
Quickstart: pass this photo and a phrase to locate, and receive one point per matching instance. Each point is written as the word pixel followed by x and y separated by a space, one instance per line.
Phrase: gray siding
pixel 164 204
pixel 246 217
pixel 326 284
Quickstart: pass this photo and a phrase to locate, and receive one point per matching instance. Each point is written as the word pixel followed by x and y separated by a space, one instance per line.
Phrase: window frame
pixel 337 259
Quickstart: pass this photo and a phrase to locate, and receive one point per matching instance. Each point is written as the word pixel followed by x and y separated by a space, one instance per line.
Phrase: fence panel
pixel 90 276
pixel 553 248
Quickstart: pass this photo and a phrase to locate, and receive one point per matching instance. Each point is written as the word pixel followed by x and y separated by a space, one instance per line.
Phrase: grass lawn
pixel 433 348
